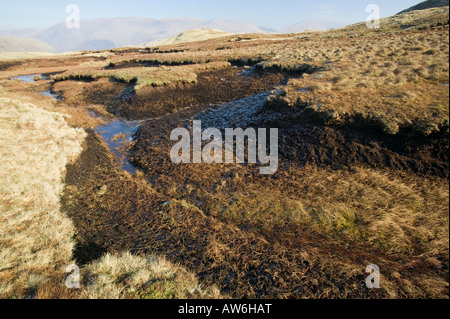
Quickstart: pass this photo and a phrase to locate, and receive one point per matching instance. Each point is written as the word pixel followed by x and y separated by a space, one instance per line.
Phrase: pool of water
pixel 117 134
pixel 236 113
pixel 30 77
pixel 49 93
pixel 250 72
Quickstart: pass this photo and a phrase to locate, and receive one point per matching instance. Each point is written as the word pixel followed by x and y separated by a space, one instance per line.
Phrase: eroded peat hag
pixel 306 142
pixel 121 99
pixel 212 87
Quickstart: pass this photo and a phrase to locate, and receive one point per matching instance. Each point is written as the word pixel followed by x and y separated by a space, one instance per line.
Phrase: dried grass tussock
pixel 36 241
pixel 35 238
pixel 398 215
pixel 136 277
pixel 393 79
pixel 146 76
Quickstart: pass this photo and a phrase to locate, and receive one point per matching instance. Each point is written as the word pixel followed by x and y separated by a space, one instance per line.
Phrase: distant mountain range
pixel 189 36
pixel 102 34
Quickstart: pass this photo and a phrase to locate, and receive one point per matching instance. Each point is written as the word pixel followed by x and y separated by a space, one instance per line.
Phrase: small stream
pixel 49 93
pixel 117 134
pixel 32 78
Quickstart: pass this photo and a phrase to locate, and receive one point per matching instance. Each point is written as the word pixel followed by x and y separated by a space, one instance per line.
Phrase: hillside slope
pixel 427 5
pixel 312 25
pixel 415 19
pixel 13 44
pixel 190 36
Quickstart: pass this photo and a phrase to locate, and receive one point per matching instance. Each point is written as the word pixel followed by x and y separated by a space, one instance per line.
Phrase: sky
pixel 276 14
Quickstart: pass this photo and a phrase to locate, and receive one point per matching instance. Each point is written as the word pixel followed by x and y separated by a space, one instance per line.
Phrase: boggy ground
pixel 221 222
pixel 245 261
pixel 350 190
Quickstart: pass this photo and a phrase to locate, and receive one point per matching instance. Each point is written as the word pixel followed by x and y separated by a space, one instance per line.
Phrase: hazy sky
pixel 278 14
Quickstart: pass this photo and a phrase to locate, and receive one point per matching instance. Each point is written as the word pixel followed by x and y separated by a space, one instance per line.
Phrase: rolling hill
pixel 189 36
pixel 13 44
pixel 312 25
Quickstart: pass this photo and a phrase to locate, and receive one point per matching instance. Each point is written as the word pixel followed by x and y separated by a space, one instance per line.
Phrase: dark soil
pixel 132 215
pixel 341 147
pixel 304 141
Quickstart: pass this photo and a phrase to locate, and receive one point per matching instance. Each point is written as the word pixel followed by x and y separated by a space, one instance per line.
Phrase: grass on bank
pixel 391 79
pixel 153 76
pixel 36 238
pixel 133 277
